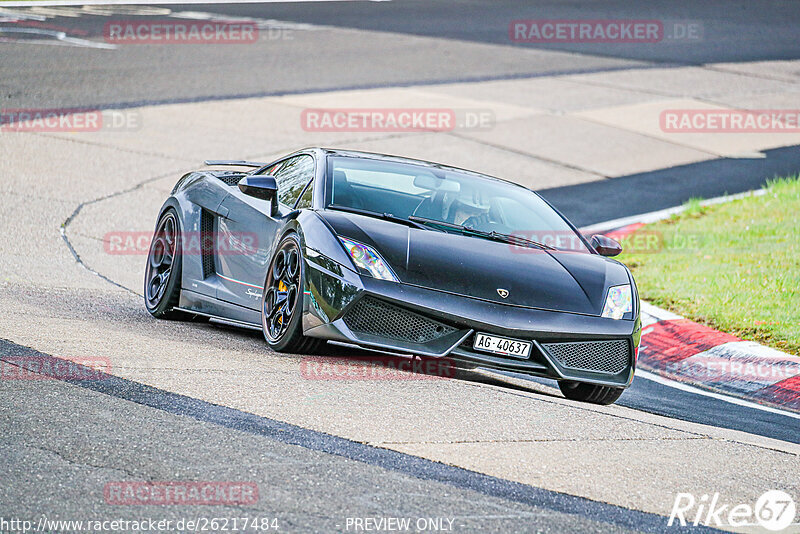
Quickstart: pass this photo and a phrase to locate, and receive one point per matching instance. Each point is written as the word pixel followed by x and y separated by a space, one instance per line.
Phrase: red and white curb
pixel 679 349
pixel 694 355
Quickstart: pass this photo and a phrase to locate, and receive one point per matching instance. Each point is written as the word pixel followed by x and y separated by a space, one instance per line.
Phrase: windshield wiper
pixel 378 215
pixel 495 236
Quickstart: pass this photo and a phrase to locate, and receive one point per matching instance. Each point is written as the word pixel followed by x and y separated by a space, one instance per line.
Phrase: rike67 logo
pixel 775 510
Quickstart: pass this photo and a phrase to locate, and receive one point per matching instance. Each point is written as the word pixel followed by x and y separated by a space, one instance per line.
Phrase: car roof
pixel 410 161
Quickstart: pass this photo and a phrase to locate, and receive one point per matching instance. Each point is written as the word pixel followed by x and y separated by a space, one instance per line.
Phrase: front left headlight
pixel 619 301
pixel 367 258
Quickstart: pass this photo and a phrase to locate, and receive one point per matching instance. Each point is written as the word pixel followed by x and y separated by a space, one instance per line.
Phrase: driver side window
pixel 292 176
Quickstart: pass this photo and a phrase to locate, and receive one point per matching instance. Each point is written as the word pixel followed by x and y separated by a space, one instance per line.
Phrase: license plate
pixel 502 345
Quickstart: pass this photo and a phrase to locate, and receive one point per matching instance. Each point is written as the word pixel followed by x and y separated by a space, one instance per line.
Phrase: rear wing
pixel 234 162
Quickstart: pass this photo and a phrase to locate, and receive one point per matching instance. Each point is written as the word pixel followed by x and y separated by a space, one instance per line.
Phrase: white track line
pixel 725 398
pixel 659 215
pixel 60 38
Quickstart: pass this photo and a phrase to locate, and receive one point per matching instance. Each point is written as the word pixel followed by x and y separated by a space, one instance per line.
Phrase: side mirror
pixel 605 246
pixel 263 187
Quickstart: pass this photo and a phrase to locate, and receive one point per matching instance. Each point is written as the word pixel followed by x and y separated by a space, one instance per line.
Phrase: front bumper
pixel 344 306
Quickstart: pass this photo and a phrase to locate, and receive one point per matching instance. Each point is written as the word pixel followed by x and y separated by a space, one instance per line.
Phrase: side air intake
pixel 208 240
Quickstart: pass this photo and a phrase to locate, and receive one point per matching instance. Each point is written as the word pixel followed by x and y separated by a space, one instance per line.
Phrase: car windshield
pixel 450 196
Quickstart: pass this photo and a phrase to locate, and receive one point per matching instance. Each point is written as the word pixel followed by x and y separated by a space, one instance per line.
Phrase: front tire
pixel 282 301
pixel 595 394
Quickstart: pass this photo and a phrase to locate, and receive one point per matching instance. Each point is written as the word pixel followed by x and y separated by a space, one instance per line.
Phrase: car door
pixel 205 198
pixel 247 232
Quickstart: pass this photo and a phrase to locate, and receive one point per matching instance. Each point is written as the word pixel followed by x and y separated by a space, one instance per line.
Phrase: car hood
pixel 475 267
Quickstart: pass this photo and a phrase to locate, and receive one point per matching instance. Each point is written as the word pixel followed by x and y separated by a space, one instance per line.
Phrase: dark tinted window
pixel 305 200
pixel 292 176
pixel 450 196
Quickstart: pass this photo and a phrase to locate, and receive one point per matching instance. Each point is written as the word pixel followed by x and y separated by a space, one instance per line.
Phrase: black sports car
pixel 399 255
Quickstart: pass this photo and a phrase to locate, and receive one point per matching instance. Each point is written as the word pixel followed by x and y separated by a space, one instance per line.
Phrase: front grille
pixel 208 242
pixel 598 356
pixel 374 317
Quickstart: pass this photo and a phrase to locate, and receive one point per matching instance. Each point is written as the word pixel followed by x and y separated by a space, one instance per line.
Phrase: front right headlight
pixel 619 301
pixel 367 258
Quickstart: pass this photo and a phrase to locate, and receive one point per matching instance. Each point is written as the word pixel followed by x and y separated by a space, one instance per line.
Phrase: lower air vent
pixel 377 318
pixel 610 357
pixel 208 241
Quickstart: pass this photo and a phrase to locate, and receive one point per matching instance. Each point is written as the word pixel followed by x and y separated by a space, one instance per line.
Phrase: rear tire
pixel 580 391
pixel 282 301
pixel 162 279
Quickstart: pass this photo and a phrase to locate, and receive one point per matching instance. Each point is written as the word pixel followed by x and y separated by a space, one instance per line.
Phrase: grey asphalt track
pixel 308 480
pixel 63 441
pixel 653 397
pixel 606 200
pixel 299 61
pixel 731 30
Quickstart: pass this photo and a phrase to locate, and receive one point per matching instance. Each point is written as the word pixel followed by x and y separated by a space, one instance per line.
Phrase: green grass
pixel 733 266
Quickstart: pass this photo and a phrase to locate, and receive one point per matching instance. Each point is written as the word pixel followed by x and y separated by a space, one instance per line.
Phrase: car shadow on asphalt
pixel 363 363
pixel 345 361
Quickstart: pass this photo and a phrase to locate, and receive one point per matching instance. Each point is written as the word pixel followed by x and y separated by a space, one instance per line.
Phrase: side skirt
pixel 218 310
pixel 222 320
